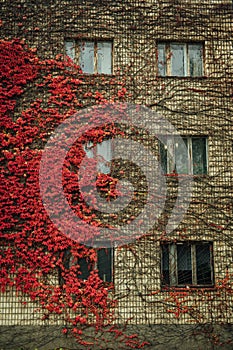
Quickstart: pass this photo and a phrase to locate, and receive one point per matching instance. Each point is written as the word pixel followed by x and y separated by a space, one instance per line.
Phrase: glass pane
pixel 163 157
pixel 88 149
pixel 104 59
pixel 67 259
pixel 161 60
pixel 104 153
pixel 195 60
pixel 70 49
pixel 165 265
pixel 104 264
pixel 84 269
pixel 199 155
pixel 181 156
pixel 184 264
pixel 178 60
pixel 86 56
pixel 203 260
pixel 170 155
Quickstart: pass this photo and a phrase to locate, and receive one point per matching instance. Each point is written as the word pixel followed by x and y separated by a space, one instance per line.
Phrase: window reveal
pixel 92 56
pixel 180 59
pixel 187 264
pixel 187 157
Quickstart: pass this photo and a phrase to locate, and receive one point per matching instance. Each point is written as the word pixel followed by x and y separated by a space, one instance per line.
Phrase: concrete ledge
pixel 162 337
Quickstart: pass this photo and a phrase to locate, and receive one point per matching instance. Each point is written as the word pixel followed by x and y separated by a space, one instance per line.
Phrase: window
pixel 187 264
pixel 102 152
pixel 92 56
pixel 104 264
pixel 180 59
pixel 187 157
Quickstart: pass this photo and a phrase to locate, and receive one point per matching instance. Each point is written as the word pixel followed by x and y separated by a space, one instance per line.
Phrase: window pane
pixel 66 264
pixel 178 60
pixel 203 260
pixel 84 269
pixel 70 49
pixel 86 56
pixel 181 156
pixel 88 149
pixel 104 153
pixel 199 155
pixel 104 59
pixel 170 155
pixel 163 157
pixel 161 60
pixel 165 265
pixel 104 264
pixel 184 264
pixel 195 60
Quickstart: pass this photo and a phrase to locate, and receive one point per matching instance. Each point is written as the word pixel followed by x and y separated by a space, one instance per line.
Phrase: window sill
pixel 188 288
pixel 196 176
pixel 202 77
pixel 97 74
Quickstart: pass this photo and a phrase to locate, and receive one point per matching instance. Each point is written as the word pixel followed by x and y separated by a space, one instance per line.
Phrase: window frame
pixel 68 262
pixel 166 62
pixel 94 152
pixel 173 265
pixel 77 44
pixel 112 251
pixel 171 155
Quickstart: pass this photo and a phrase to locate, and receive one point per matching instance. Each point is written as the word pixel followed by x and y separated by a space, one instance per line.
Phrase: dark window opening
pixel 187 264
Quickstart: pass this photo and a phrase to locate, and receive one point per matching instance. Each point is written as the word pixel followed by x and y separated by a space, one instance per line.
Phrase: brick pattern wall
pixel 195 106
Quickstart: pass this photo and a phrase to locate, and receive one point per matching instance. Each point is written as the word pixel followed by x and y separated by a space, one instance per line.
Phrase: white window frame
pixel 173 264
pixel 165 58
pixel 73 50
pixel 171 158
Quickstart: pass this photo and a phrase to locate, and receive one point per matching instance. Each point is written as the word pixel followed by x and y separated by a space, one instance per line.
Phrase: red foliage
pixel 107 185
pixel 33 248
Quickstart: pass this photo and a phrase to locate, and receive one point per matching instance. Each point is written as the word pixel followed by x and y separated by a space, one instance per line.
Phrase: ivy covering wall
pixel 199 106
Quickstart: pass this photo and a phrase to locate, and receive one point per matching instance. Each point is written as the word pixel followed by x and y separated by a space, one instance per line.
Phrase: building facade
pixel 175 58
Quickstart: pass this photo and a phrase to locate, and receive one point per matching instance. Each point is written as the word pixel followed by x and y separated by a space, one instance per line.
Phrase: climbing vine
pixel 33 249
